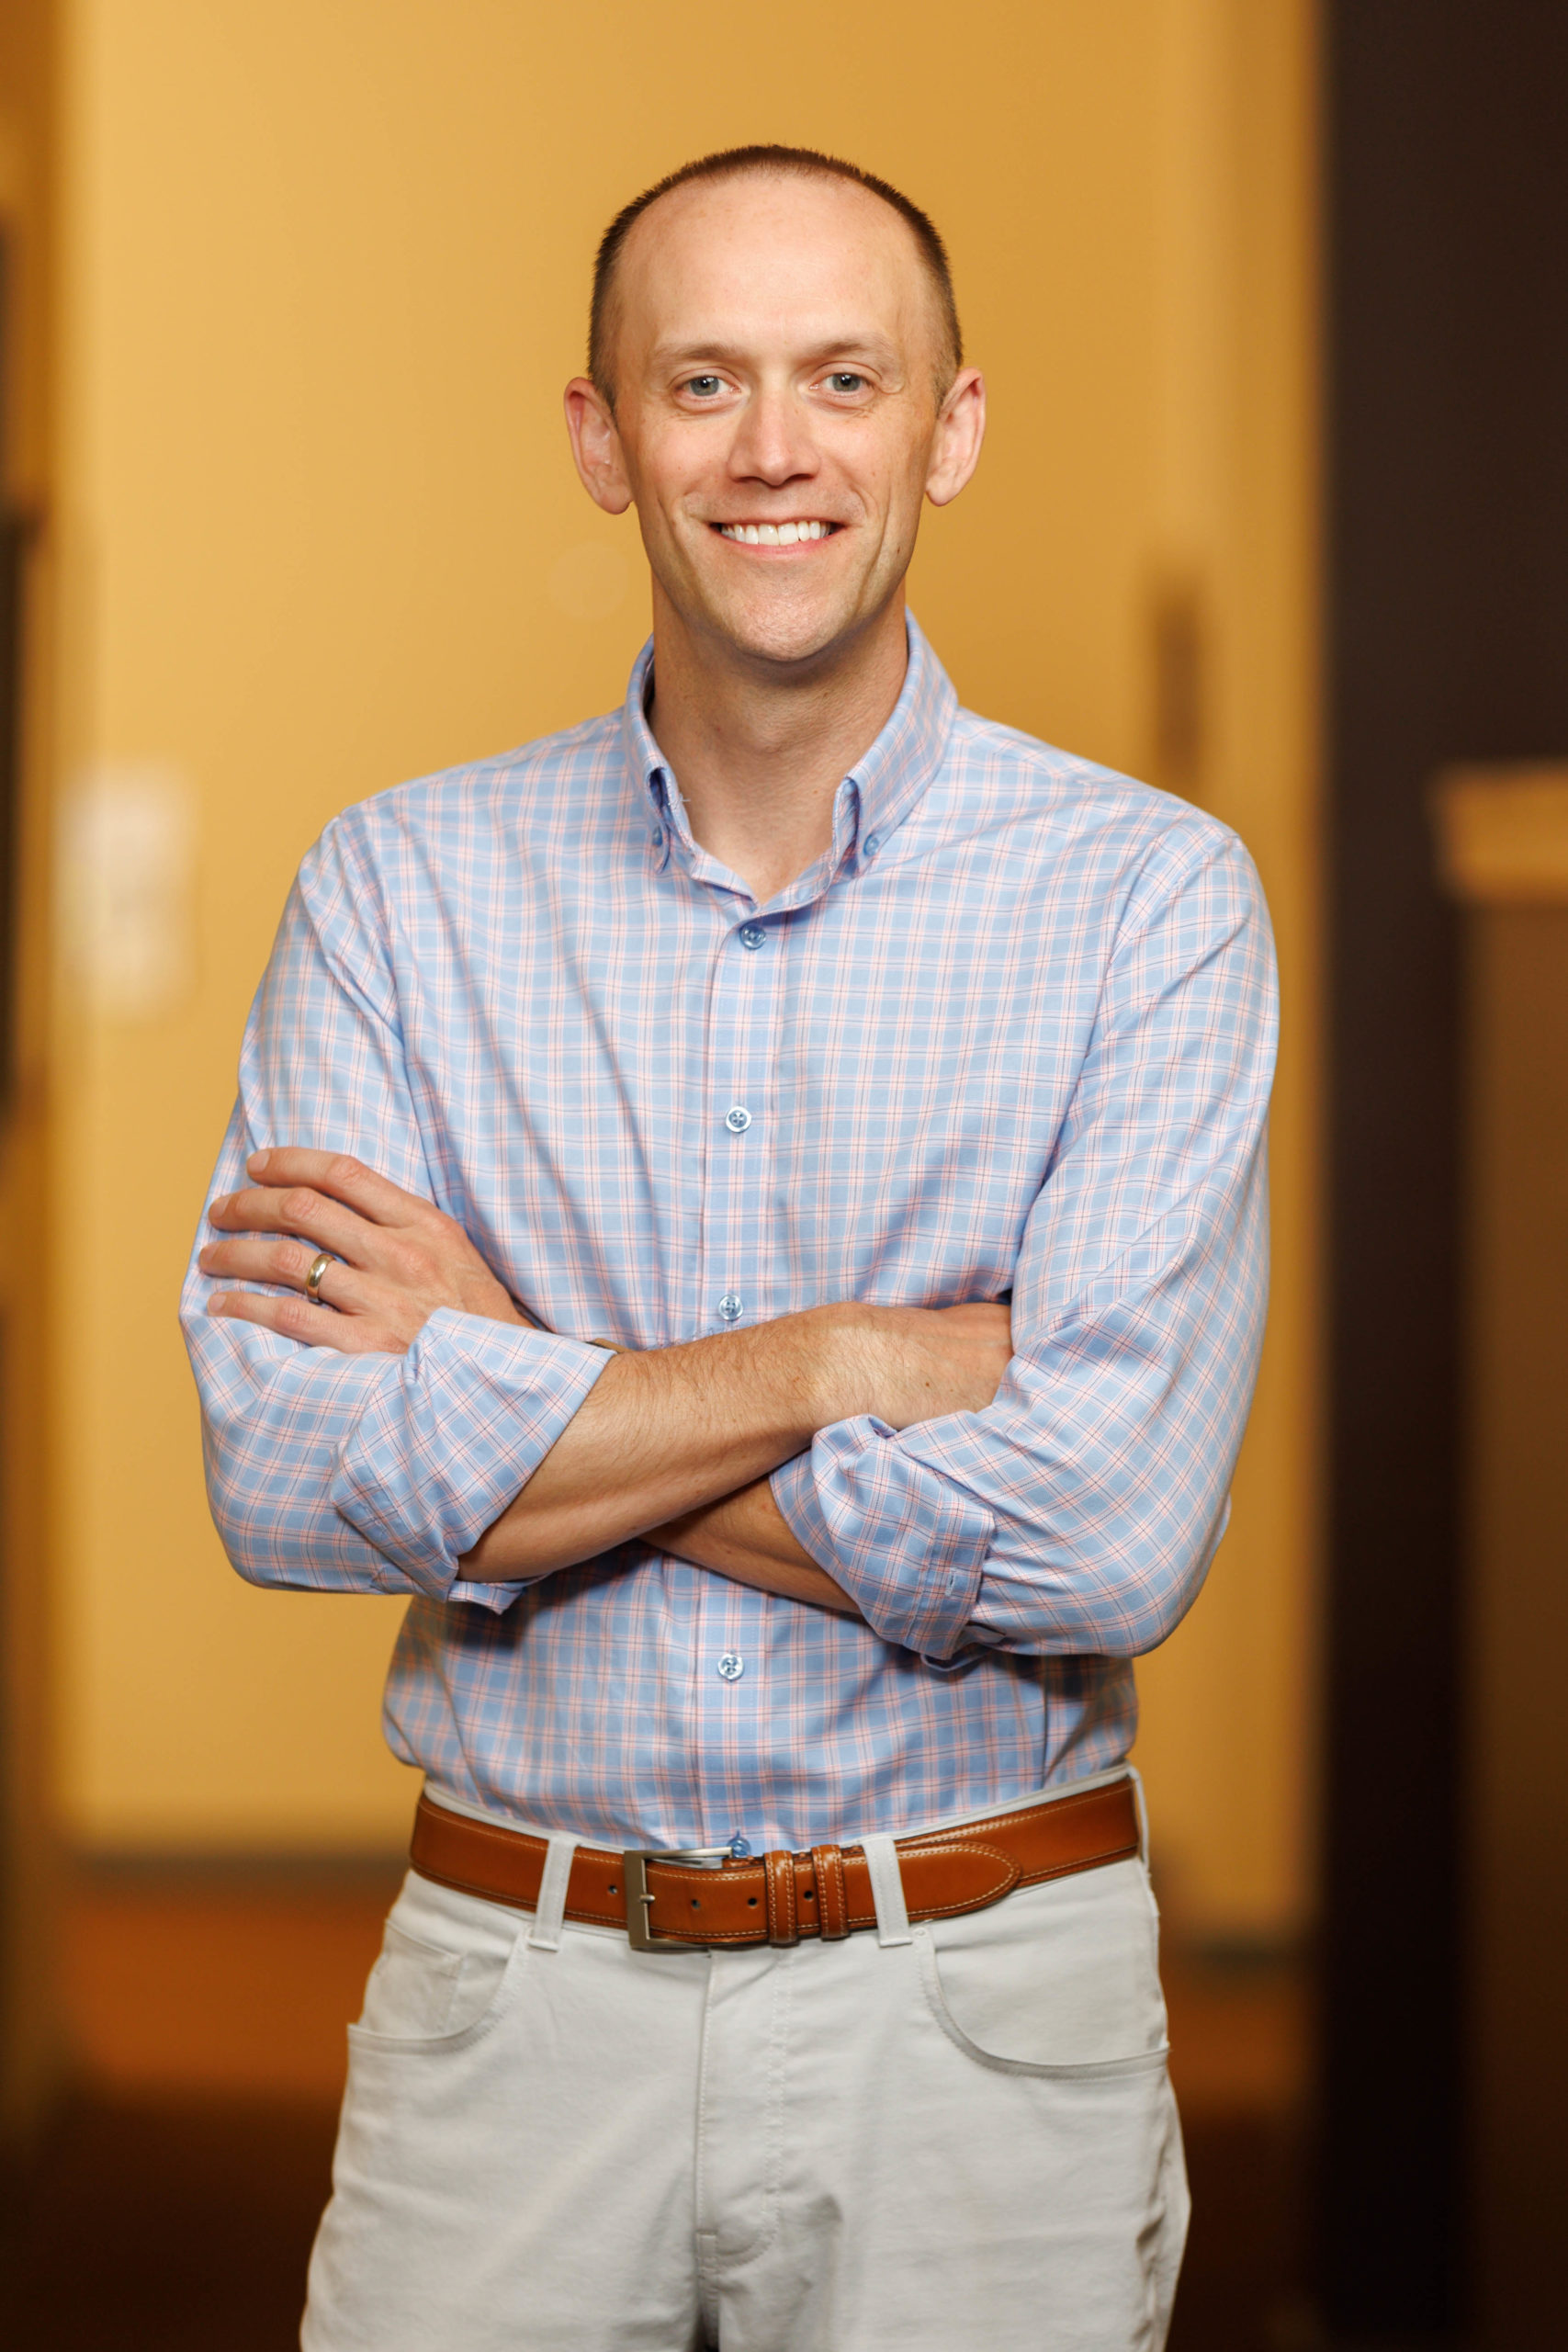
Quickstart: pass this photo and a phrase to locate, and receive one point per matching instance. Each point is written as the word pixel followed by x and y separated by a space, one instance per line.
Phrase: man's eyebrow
pixel 857 343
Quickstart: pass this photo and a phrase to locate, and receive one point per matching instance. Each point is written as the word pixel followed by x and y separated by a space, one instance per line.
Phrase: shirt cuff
pixel 908 1546
pixel 436 1453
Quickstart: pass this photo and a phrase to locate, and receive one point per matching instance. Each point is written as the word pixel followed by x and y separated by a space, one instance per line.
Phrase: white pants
pixel 958 2136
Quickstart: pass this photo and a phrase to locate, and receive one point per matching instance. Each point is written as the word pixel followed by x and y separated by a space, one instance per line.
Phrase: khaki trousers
pixel 959 2135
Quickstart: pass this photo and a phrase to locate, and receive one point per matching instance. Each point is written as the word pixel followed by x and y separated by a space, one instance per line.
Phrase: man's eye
pixel 844 380
pixel 705 387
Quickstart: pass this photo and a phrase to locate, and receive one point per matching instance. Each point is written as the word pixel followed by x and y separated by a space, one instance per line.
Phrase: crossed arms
pixel 674 1445
pixel 1054 1485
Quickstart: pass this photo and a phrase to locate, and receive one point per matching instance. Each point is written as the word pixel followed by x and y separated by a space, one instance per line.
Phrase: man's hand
pixel 914 1364
pixel 398 1259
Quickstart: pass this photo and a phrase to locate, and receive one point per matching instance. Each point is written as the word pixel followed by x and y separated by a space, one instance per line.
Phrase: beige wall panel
pixel 325 274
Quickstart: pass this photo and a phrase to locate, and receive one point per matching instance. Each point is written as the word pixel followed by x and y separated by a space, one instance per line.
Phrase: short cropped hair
pixel 803 163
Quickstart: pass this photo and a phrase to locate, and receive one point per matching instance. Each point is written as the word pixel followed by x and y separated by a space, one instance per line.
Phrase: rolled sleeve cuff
pixel 437 1452
pixel 907 1544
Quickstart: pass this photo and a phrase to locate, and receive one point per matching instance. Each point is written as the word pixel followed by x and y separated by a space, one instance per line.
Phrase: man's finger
pixel 342 1178
pixel 295 1318
pixel 301 1210
pixel 247 1257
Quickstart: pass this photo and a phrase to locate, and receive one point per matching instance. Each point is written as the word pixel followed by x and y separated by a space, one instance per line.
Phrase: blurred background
pixel 1272 302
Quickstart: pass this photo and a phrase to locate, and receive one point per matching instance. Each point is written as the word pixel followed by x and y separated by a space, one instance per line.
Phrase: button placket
pixel 737 1257
pixel 741 999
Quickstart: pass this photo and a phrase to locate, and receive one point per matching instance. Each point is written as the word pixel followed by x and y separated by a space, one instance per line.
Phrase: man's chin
pixel 785 633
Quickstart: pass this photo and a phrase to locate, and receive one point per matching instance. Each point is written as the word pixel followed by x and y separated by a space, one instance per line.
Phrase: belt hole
pixel 695 1905
pixel 750 1903
pixel 809 1896
pixel 614 1889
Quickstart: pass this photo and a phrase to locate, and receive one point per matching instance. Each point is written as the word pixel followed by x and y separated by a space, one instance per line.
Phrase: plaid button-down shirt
pixel 1012 1034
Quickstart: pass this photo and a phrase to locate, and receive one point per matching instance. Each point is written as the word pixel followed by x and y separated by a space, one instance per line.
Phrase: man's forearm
pixel 663 1435
pixel 747 1538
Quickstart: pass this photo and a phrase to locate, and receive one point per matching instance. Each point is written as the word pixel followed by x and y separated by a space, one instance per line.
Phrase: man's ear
pixel 960 429
pixel 596 446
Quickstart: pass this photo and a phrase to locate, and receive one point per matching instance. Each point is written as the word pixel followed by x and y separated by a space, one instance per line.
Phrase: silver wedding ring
pixel 319 1264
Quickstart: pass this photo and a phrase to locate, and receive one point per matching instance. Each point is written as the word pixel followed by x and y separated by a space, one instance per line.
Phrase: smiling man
pixel 751 1214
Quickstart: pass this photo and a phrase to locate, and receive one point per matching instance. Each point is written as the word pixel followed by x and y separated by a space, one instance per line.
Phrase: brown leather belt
pixel 676 1903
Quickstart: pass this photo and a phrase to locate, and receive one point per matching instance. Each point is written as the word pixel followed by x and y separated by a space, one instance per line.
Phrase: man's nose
pixel 774 443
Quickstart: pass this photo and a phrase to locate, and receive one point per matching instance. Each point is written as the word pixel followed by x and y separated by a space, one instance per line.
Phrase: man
pixel 752 1212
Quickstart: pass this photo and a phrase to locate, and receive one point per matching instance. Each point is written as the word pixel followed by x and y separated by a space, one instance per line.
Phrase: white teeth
pixel 773 534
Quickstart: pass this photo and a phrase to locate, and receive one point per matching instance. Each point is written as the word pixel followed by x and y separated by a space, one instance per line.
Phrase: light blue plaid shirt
pixel 1014 1031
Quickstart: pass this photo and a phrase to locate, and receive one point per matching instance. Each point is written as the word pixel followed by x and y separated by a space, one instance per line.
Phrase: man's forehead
pixel 788 232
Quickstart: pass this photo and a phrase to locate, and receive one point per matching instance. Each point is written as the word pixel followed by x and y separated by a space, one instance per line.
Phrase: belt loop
pixel 550 1909
pixel 886 1891
pixel 1140 1806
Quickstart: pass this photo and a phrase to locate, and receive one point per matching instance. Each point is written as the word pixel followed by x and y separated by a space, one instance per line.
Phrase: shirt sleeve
pixel 1079 1511
pixel 372 1473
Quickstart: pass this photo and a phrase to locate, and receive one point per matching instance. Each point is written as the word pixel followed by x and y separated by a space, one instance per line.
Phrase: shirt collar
pixel 874 800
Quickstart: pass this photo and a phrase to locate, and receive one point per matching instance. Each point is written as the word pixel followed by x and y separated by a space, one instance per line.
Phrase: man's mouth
pixel 775 535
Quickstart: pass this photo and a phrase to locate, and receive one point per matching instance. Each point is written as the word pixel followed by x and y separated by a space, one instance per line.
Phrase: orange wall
pixel 322 275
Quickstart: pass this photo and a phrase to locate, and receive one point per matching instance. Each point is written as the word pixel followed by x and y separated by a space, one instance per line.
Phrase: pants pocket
pixel 1058 1980
pixel 443 1961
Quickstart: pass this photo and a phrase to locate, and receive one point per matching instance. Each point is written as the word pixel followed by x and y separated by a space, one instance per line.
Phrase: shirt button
pixel 732 1666
pixel 737 1118
pixel 871 845
pixel 730 1307
pixel 657 838
pixel 752 936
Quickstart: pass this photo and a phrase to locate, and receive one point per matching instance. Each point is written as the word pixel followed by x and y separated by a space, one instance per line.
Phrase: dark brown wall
pixel 1516 1617
pixel 1448 397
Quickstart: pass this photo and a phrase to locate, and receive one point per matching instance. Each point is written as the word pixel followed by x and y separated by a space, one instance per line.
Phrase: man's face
pixel 777 354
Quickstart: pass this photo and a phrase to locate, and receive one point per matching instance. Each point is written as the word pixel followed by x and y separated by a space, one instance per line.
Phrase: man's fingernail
pixel 258 1160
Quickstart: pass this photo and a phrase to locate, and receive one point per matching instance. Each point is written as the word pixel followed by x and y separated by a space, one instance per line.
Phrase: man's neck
pixel 760 758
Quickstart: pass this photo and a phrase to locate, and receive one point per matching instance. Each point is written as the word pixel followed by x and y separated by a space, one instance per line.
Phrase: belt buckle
pixel 639 1902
